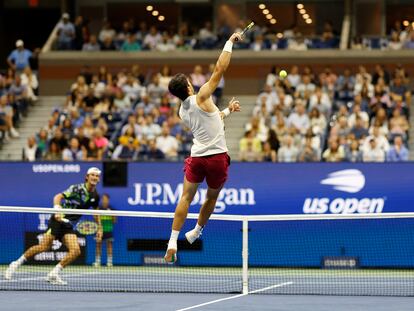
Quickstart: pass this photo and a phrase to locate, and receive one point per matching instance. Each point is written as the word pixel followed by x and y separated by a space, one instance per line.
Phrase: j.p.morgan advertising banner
pixel 252 189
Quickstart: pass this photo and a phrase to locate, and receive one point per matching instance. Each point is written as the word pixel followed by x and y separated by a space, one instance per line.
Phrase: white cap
pixel 19 43
pixel 65 15
pixel 94 170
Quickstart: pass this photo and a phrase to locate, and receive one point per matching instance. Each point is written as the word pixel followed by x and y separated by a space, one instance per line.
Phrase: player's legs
pixel 43 246
pixel 205 212
pixel 109 252
pixel 181 211
pixel 71 242
pixel 208 206
pixel 98 251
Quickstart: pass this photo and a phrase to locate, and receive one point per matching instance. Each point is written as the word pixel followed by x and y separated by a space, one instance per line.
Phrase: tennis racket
pixel 246 29
pixel 84 227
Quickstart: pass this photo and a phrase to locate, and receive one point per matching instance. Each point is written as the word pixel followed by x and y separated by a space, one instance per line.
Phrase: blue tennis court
pixel 150 288
pixel 18 300
pixel 170 279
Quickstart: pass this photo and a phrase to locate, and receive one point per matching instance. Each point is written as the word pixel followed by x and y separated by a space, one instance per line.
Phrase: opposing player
pixel 107 223
pixel 61 227
pixel 209 159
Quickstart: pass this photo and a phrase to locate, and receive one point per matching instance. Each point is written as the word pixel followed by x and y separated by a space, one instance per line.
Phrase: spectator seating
pixel 330 117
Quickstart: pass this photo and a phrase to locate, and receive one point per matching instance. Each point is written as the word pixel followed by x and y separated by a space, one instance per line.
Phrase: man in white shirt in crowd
pixel 152 39
pixel 167 144
pixel 155 91
pixel 269 97
pixel 373 153
pixel 288 152
pixel 299 119
pixel 358 113
pixel 321 101
pixel 380 140
pixel 30 151
pixel 305 89
pixel 133 89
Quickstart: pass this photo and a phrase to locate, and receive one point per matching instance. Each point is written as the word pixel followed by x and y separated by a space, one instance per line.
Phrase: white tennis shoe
pixel 54 279
pixel 10 270
pixel 193 235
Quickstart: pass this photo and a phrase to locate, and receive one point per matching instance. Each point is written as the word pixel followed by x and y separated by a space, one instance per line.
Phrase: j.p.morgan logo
pixel 164 194
pixel 348 181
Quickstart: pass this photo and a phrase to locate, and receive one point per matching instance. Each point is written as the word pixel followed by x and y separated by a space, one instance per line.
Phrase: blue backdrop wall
pixel 252 189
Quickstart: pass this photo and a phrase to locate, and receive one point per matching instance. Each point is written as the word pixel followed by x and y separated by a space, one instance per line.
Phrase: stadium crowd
pixel 330 117
pixel 132 37
pixel 18 89
pixel 401 36
pixel 119 116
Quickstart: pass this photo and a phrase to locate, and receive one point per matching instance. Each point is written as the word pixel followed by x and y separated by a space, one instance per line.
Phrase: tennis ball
pixel 283 74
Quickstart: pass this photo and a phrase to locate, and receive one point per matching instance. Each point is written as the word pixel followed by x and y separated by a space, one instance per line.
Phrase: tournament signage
pixel 252 188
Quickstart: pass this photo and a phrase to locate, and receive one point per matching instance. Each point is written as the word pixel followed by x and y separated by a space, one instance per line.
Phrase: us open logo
pixel 349 181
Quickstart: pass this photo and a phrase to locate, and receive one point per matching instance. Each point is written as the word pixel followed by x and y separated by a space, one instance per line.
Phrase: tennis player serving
pixel 209 159
pixel 61 227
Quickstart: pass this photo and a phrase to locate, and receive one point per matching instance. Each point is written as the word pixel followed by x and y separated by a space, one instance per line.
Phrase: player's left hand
pixel 234 105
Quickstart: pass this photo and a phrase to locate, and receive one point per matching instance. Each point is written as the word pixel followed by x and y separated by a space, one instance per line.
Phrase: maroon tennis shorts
pixel 214 168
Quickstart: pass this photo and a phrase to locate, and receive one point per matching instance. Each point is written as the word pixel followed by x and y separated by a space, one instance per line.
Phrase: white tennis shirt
pixel 207 128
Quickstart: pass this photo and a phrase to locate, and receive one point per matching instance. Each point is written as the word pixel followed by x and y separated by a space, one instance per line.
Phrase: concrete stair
pixel 236 122
pixel 29 126
pixel 411 131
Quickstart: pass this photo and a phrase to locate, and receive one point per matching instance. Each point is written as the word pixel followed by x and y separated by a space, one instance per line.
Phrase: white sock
pixel 198 228
pixel 98 259
pixel 21 260
pixel 110 260
pixel 174 235
pixel 57 269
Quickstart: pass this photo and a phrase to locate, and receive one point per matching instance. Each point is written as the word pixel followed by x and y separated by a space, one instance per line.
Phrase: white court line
pixel 44 277
pixel 237 296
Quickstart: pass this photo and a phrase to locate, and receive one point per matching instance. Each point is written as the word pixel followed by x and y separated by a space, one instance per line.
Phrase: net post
pixel 245 256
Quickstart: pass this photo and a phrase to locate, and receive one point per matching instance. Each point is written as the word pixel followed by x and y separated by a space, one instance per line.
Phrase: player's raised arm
pixel 221 66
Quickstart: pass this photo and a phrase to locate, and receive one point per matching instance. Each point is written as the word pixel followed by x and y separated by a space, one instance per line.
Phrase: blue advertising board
pixel 252 189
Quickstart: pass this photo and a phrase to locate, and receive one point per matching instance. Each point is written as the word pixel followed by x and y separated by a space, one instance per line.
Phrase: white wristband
pixel 57 206
pixel 228 47
pixel 226 112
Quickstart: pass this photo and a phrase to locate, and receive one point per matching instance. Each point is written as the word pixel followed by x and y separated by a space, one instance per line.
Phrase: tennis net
pixel 371 254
